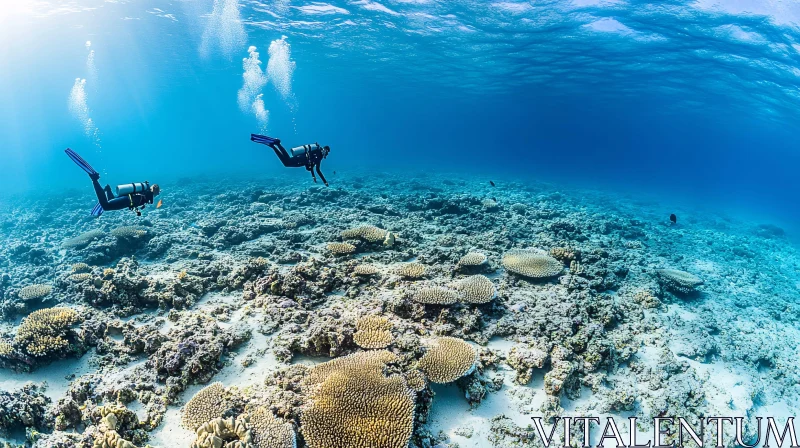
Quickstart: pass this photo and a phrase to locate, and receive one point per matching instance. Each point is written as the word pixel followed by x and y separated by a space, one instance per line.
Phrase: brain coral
pixel 129 232
pixel 365 269
pixel 206 405
pixel 531 263
pixel 77 268
pixel 448 359
pixel 354 405
pixel 224 433
pixel 476 289
pixel 472 259
pixel 679 281
pixel 434 295
pixel 373 332
pixel 341 248
pixel 45 332
pixel 269 432
pixel 371 234
pixel 83 239
pixel 34 292
pixel 411 270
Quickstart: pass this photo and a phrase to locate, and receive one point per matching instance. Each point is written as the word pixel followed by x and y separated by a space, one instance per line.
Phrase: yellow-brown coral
pixel 354 405
pixel 370 234
pixel 45 332
pixel 6 349
pixel 77 268
pixel 77 278
pixel 269 432
pixel 83 239
pixel 434 295
pixel 341 248
pixel 411 270
pixel 475 289
pixel 448 359
pixel 679 281
pixel 365 269
pixel 373 332
pixel 33 292
pixel 416 380
pixel 224 433
pixel 531 263
pixel 206 405
pixel 108 436
pixel 472 259
pixel 564 254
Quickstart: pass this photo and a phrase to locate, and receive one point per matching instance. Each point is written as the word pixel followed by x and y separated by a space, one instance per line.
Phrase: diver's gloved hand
pixel 94 176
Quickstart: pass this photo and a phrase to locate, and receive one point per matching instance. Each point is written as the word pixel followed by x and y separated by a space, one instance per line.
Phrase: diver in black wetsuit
pixel 308 156
pixel 131 196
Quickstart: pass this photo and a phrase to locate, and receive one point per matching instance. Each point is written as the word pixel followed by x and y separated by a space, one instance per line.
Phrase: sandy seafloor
pixel 233 282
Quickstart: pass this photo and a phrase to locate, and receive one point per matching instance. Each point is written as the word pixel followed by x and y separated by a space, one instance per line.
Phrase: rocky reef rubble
pixel 567 302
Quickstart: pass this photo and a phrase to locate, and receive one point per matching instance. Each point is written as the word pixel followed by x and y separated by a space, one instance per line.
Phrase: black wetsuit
pixel 310 159
pixel 130 201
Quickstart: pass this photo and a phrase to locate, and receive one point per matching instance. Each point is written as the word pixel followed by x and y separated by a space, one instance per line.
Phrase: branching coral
pixel 365 269
pixel 411 270
pixel 83 239
pixel 224 433
pixel 77 278
pixel 341 248
pixel 373 332
pixel 472 259
pixel 206 405
pixel 33 292
pixel 679 281
pixel 270 432
pixel 475 289
pixel 354 405
pixel 45 332
pixel 416 380
pixel 448 359
pixel 434 295
pixel 531 263
pixel 370 234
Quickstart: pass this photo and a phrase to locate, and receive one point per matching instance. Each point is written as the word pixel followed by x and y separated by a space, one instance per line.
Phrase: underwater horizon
pixel 530 211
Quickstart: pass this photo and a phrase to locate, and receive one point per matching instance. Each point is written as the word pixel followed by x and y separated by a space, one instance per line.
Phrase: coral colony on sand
pixel 285 320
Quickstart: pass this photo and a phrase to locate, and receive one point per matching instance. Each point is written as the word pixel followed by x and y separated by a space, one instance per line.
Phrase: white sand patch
pixel 55 375
pixel 171 433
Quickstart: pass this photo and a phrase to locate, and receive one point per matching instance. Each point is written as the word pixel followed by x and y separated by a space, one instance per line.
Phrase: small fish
pixel 492 184
pixel 160 203
pixel 673 218
pixel 334 173
pixel 494 199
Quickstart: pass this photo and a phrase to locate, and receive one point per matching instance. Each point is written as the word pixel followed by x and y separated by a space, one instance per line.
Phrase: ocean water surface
pixel 594 120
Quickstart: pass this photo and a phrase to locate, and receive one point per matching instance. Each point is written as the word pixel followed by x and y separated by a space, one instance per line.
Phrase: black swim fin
pixel 263 139
pixel 80 162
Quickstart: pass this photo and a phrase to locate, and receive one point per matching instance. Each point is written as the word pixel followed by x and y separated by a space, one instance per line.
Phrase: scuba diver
pixel 132 196
pixel 309 156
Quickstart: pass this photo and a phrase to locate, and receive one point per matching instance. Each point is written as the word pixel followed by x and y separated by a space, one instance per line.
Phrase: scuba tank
pixel 132 188
pixel 297 150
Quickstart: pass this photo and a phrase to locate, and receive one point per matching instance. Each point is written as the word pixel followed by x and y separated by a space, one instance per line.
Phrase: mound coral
pixel 45 332
pixel 435 295
pixel 78 268
pixel 679 281
pixel 354 405
pixel 206 405
pixel 411 270
pixel 83 239
pixel 448 359
pixel 489 205
pixel 565 254
pixel 370 234
pixel 33 292
pixel 373 332
pixel 270 432
pixel 365 269
pixel 108 436
pixel 472 259
pixel 224 433
pixel 341 248
pixel 475 289
pixel 129 232
pixel 531 263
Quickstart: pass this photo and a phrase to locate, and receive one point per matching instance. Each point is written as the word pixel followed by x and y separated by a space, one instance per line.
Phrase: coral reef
pixel 531 263
pixel 367 233
pixel 475 289
pixel 434 295
pixel 365 269
pixel 47 332
pixel 373 332
pixel 206 405
pixel 341 248
pixel 35 292
pixel 224 433
pixel 411 270
pixel 679 281
pixel 83 239
pixel 472 259
pixel 270 432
